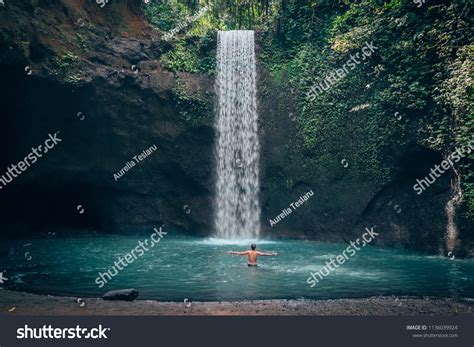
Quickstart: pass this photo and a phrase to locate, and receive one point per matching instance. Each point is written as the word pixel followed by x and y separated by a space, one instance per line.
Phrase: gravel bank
pixel 33 304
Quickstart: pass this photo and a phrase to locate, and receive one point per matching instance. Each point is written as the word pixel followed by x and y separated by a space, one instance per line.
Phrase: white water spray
pixel 451 205
pixel 237 208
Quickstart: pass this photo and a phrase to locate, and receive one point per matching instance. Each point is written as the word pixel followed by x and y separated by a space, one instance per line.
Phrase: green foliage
pixel 182 59
pixel 67 65
pixel 165 16
pixel 64 62
pixel 190 33
pixel 82 40
pixel 421 71
pixel 189 58
pixel 241 14
pixel 192 104
pixel 456 95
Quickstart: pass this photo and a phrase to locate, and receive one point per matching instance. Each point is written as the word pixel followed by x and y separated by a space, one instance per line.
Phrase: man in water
pixel 252 254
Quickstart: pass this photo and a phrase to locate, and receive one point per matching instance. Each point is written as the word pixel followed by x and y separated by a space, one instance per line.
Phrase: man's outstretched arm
pixel 268 254
pixel 238 253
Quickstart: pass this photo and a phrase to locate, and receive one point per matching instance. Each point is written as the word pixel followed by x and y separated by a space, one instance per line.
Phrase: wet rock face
pixel 110 103
pixel 103 127
pixel 106 91
pixel 344 204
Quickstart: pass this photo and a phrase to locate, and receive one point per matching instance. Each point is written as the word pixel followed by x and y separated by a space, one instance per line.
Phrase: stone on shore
pixel 122 294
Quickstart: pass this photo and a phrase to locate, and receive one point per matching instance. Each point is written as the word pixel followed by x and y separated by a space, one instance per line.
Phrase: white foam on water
pixel 359 274
pixel 238 242
pixel 327 256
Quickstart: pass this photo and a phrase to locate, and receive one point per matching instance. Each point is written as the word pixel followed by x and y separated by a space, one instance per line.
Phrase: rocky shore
pixel 18 303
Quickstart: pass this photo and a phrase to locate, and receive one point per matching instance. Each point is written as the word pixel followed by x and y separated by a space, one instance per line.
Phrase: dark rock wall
pixel 110 76
pixel 110 102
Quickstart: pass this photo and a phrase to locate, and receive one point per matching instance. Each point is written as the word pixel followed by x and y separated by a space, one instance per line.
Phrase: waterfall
pixel 451 205
pixel 237 207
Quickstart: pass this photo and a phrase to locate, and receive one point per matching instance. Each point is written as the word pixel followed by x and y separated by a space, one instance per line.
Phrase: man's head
pixel 253 246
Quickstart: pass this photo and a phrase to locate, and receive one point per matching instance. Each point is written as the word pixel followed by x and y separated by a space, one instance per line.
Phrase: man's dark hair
pixel 253 246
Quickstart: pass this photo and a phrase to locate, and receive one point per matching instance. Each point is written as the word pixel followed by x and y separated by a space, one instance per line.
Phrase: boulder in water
pixel 122 294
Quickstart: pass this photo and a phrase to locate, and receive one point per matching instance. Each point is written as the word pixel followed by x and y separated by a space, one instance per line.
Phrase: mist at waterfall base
pixel 199 269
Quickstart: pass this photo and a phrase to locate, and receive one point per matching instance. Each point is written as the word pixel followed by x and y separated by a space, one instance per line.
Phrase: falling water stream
pixel 451 205
pixel 237 208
